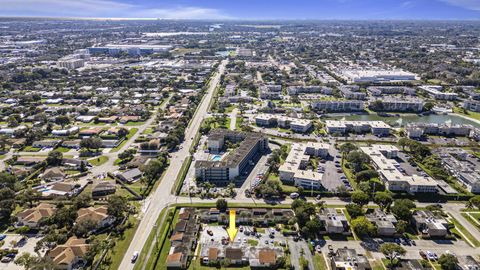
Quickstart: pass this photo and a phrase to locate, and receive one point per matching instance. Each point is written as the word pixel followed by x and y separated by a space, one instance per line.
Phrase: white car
pixel 135 256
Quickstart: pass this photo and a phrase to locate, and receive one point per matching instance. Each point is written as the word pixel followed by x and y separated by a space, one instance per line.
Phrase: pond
pixel 404 119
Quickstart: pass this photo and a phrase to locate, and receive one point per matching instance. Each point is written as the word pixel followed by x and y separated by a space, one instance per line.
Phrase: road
pixel 161 197
pixel 233 119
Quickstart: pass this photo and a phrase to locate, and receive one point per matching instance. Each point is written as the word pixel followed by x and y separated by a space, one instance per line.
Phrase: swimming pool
pixel 216 158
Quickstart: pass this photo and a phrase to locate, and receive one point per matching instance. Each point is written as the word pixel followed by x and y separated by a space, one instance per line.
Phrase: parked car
pixel 423 255
pixel 2 237
pixel 294 195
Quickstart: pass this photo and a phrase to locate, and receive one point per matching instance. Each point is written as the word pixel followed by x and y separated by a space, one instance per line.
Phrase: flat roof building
pixel 378 128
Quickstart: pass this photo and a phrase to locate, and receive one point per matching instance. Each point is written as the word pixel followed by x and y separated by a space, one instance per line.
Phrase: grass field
pixel 460 228
pixel 98 160
pixel 62 149
pixel 319 262
pixel 30 149
pixel 130 134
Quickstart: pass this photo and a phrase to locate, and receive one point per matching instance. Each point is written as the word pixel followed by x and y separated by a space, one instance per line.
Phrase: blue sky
pixel 246 9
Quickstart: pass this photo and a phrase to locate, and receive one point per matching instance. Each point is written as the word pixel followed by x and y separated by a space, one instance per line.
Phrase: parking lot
pixel 332 170
pixel 245 236
pixel 27 245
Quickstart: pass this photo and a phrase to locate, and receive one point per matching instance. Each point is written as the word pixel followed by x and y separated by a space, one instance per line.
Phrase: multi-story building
pixel 383 159
pixel 471 105
pixel 131 49
pixel 338 105
pixel 226 170
pixel 334 222
pixel 376 75
pixel 428 223
pixel 457 162
pixel 348 259
pixel 270 91
pixel 401 105
pixel 391 90
pixel 295 124
pixel 417 130
pixel 352 92
pixel 378 128
pixel 294 169
pixel 385 223
pixel 435 91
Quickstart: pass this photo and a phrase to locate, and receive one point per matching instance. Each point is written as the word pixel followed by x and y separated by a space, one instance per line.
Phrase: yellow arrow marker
pixel 232 230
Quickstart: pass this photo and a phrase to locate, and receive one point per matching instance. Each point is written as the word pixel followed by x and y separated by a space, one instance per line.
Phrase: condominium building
pixel 391 90
pixel 471 105
pixel 378 128
pixel 352 92
pixel 270 91
pixel 131 49
pixel 385 223
pixel 333 221
pixel 383 159
pixel 430 224
pixel 234 164
pixel 295 124
pixel 436 92
pixel 338 105
pixel 458 164
pixel 302 89
pixel 417 130
pixel 294 169
pixel 71 63
pixel 401 105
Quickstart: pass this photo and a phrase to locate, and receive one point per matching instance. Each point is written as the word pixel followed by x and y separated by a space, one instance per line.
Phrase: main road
pixel 161 196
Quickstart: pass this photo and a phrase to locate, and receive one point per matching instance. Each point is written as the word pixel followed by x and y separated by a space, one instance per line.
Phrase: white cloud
pixel 102 8
pixel 467 4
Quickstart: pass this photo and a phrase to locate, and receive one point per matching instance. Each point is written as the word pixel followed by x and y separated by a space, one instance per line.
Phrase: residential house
pixel 131 176
pixel 104 188
pixel 53 174
pixel 98 215
pixel 69 255
pixel 31 217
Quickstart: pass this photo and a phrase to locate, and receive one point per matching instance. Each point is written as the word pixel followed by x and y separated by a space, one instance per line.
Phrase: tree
pixel 7 202
pixel 82 201
pixel 383 198
pixel 7 180
pixel 401 227
pixel 357 159
pixel 91 143
pixel 84 227
pixel 271 188
pixel 313 226
pixel 29 196
pixel 222 205
pixel 428 106
pixel 62 120
pixel 117 206
pixel 402 209
pixel 122 132
pixel 348 147
pixel 54 158
pixel 366 175
pixel 354 210
pixel 153 170
pixel 474 202
pixel 392 252
pixel 448 262
pixel 360 198
pixel 403 142
pixel 362 226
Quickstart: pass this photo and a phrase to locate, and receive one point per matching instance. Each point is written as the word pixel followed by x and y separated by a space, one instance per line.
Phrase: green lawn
pixel 130 134
pixel 252 242
pixel 121 245
pixel 148 131
pixel 98 160
pixel 31 149
pixel 319 262
pixel 465 232
pixel 62 149
pixel 130 123
pixel 470 114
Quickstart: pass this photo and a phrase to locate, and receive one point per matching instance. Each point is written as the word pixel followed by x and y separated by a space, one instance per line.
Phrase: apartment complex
pixel 385 223
pixel 225 171
pixel 464 168
pixel 334 222
pixel 391 90
pixel 376 75
pixel 295 124
pixel 471 105
pixel 271 91
pixel 417 130
pixel 130 49
pixel 294 168
pixel 390 104
pixel 436 92
pixel 430 224
pixel 378 128
pixel 338 105
pixel 383 159
pixel 352 92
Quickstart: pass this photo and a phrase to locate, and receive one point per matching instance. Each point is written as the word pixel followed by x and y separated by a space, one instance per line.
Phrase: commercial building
pixel 338 105
pixel 71 63
pixel 294 169
pixel 130 49
pixel 464 168
pixel 378 128
pixel 383 159
pixel 376 75
pixel 234 164
pixel 471 105
pixel 295 124
pixel 436 92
